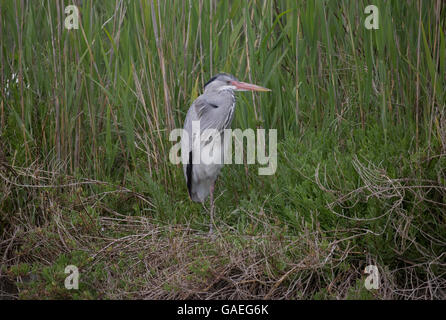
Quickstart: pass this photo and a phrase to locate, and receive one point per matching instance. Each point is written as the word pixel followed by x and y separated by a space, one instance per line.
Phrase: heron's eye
pixel 228 82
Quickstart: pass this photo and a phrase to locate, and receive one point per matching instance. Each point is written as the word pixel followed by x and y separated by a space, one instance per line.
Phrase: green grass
pixel 361 124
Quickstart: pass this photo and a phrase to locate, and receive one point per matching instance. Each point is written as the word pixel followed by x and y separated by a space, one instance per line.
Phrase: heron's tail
pixel 189 175
pixel 198 191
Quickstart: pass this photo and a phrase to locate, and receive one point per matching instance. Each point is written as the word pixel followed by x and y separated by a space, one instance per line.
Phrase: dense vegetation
pixel 85 179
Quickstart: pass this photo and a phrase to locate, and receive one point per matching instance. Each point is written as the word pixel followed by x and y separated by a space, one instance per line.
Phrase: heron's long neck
pixel 230 115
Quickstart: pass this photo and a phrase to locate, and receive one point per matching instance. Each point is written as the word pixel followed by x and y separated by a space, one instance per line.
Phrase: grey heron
pixel 214 109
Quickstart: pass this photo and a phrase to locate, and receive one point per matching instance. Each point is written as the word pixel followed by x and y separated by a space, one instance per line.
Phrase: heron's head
pixel 225 81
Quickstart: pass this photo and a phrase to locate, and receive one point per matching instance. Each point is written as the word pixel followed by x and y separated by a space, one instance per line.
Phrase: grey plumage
pixel 214 109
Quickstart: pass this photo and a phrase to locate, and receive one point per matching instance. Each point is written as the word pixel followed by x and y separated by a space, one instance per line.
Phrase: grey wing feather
pixel 212 113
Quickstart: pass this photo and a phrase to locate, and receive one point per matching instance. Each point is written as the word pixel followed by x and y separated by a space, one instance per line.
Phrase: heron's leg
pixel 211 226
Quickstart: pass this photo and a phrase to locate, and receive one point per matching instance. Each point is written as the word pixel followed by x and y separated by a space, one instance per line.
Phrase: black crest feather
pixel 218 75
pixel 189 174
